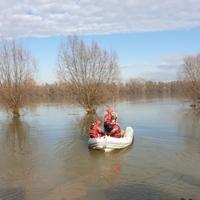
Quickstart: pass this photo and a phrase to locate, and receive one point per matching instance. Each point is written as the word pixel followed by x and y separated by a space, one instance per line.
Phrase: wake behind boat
pixel 107 143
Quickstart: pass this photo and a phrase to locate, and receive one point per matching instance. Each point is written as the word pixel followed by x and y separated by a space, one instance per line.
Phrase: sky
pixel 150 37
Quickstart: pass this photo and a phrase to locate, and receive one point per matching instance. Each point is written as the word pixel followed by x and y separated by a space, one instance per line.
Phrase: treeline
pixel 132 88
pixel 65 92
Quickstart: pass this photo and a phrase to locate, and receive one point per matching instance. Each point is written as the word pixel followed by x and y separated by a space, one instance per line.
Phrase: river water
pixel 44 155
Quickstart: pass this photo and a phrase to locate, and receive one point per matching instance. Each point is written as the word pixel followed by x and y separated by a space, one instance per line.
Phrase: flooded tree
pixel 191 75
pixel 89 72
pixel 17 69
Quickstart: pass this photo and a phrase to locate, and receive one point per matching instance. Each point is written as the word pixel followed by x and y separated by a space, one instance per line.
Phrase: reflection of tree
pixel 14 157
pixel 16 133
pixel 190 127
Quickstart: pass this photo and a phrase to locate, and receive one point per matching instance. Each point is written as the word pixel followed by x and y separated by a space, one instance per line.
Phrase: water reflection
pixel 139 192
pixel 109 165
pixel 88 171
pixel 189 126
pixel 49 159
pixel 16 136
pixel 12 194
pixel 14 157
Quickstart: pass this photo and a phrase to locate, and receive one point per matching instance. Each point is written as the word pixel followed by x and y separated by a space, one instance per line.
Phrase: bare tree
pixel 191 74
pixel 17 69
pixel 89 70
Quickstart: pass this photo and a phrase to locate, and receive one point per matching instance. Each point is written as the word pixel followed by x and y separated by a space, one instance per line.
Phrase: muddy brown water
pixel 45 156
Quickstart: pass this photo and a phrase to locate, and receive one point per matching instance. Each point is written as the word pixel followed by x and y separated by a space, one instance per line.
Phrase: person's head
pixel 113 117
pixel 98 122
pixel 95 124
pixel 92 126
pixel 109 110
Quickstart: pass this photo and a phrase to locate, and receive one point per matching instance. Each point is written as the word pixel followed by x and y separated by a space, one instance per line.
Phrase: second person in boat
pixel 111 126
pixel 116 131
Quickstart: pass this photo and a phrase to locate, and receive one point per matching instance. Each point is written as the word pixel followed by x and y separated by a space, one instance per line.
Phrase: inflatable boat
pixel 107 143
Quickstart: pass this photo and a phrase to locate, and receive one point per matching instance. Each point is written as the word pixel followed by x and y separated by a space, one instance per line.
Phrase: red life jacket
pixel 117 131
pixel 96 132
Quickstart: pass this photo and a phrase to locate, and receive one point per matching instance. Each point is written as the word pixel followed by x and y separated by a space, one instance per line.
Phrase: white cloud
pixel 164 69
pixel 61 17
pixel 172 63
pixel 167 69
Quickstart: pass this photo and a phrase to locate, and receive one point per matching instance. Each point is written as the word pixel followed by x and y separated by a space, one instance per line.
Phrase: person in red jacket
pixel 116 131
pixel 95 130
pixel 107 120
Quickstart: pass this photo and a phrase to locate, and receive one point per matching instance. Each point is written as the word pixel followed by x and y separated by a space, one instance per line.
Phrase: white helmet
pixel 114 117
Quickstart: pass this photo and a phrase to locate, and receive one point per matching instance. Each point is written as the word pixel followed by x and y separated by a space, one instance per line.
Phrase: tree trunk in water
pixel 91 110
pixel 15 113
